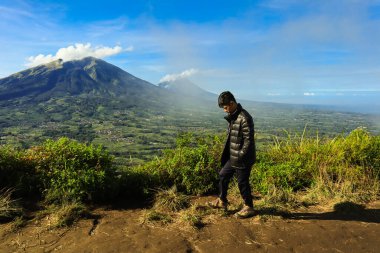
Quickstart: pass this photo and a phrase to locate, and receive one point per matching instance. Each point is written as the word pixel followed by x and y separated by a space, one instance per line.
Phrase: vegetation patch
pixel 69 170
pixel 191 166
pixel 341 168
pixel 194 216
pixel 292 172
pixel 152 216
pixel 64 214
pixel 171 200
pixel 9 207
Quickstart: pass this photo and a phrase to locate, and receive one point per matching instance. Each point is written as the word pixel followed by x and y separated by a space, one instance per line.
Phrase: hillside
pixel 93 101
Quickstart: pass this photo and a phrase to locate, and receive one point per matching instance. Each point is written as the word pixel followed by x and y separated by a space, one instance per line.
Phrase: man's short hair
pixel 225 98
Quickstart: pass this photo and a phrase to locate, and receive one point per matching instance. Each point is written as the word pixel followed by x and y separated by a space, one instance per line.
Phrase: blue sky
pixel 293 51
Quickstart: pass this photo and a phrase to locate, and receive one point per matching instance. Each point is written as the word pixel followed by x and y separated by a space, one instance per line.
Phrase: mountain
pixel 93 101
pixel 184 86
pixel 89 76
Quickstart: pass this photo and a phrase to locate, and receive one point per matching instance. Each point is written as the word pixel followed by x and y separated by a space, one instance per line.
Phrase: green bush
pixel 192 166
pixel 15 172
pixel 290 174
pixel 134 183
pixel 68 170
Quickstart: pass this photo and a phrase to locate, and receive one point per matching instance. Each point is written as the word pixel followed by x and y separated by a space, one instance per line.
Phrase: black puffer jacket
pixel 240 145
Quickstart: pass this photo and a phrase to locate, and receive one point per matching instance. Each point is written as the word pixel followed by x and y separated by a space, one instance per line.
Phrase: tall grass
pixel 342 167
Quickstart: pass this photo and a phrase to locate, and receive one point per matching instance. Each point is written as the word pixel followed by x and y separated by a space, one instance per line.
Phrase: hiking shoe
pixel 245 212
pixel 218 203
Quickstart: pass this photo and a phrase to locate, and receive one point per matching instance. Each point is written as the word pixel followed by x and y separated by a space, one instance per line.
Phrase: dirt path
pixel 123 231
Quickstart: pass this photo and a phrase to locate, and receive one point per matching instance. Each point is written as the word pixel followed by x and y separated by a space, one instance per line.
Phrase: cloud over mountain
pixel 184 74
pixel 76 52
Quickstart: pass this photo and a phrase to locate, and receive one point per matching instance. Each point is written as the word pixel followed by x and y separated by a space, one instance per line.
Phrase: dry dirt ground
pixel 315 229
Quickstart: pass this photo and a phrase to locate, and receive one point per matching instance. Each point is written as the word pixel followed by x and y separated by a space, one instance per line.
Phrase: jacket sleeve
pixel 248 135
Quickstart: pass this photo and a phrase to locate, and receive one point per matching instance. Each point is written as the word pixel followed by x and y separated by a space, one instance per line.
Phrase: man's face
pixel 230 108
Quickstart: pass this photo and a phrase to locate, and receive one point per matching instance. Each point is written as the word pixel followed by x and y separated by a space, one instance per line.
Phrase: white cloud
pixel 76 52
pixel 185 74
pixel 309 94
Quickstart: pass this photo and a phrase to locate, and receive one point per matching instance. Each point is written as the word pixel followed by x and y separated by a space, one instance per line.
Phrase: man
pixel 238 156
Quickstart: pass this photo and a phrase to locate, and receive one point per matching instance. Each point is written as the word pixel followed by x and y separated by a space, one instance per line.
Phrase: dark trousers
pixel 225 175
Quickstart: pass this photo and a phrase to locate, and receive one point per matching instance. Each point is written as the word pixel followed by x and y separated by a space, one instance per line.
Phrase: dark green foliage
pixel 69 170
pixel 192 166
pixel 58 170
pixel 15 172
pixel 134 183
pixel 285 174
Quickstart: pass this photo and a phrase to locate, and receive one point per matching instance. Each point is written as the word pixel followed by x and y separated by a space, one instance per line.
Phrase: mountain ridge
pixel 186 87
pixel 88 75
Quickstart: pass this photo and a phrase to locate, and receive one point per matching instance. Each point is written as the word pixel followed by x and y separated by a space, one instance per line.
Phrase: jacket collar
pixel 234 115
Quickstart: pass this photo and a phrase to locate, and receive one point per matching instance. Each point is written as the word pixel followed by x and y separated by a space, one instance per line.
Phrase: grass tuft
pixel 9 207
pixel 152 216
pixel 65 214
pixel 171 200
pixel 194 216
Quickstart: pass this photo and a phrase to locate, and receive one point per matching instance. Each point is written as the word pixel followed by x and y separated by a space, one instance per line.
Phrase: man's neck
pixel 234 109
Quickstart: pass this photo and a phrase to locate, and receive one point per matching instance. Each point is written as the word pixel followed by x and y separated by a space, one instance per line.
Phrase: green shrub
pixel 192 166
pixel 285 174
pixel 68 170
pixel 134 183
pixel 15 172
